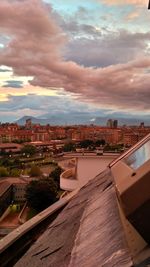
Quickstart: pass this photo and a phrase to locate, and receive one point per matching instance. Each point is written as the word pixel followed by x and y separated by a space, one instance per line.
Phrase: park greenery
pixel 3 172
pixel 31 159
pixel 88 144
pixel 117 147
pixel 91 144
pixel 14 165
pixel 28 150
pixel 69 147
pixel 35 171
pixel 43 192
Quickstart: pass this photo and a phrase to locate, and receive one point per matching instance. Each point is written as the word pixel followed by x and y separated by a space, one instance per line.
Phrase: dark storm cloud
pixel 51 104
pixel 110 49
pixel 73 27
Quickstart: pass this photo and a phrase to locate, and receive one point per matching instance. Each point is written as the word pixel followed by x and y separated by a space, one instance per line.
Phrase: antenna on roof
pixel 149 5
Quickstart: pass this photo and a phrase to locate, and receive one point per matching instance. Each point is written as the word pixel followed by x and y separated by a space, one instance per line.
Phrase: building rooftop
pixel 13 180
pixel 4 185
pixel 88 231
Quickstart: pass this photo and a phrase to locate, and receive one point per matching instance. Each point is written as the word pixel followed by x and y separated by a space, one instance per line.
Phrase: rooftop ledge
pixel 12 237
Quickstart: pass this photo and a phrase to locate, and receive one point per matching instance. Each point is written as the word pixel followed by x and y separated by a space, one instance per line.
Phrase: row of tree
pixel 90 144
pixel 71 146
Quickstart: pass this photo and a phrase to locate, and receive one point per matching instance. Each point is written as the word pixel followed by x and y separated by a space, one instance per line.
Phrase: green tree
pixel 5 161
pixel 55 176
pixel 86 143
pixel 3 172
pixel 19 141
pixel 69 147
pixel 35 171
pixel 100 142
pixel 28 150
pixel 15 173
pixel 3 152
pixel 40 194
pixel 107 147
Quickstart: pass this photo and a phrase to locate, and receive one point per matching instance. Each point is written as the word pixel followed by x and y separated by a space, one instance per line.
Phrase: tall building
pixel 115 123
pixel 110 123
pixel 142 125
pixel 28 124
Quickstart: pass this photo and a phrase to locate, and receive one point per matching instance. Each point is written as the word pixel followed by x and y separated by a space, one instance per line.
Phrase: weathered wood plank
pixel 100 240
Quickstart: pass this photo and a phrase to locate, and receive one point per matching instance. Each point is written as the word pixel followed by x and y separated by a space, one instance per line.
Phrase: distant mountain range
pixel 82 118
pixel 56 120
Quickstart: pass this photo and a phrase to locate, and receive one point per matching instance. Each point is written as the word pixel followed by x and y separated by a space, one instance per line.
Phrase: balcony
pixel 68 179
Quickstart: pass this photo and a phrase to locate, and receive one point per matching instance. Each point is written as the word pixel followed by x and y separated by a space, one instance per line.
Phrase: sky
pixel 63 56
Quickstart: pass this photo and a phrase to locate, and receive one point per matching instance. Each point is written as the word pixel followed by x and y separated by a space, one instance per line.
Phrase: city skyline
pixel 67 56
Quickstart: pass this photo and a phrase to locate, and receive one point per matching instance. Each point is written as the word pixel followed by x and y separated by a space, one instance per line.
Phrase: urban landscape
pixel 42 152
pixel 74 133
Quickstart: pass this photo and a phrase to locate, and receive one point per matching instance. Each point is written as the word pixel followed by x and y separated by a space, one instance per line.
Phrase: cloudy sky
pixel 70 55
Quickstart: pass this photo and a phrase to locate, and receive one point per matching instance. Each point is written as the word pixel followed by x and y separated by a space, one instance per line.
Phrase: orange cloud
pixel 132 15
pixel 125 2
